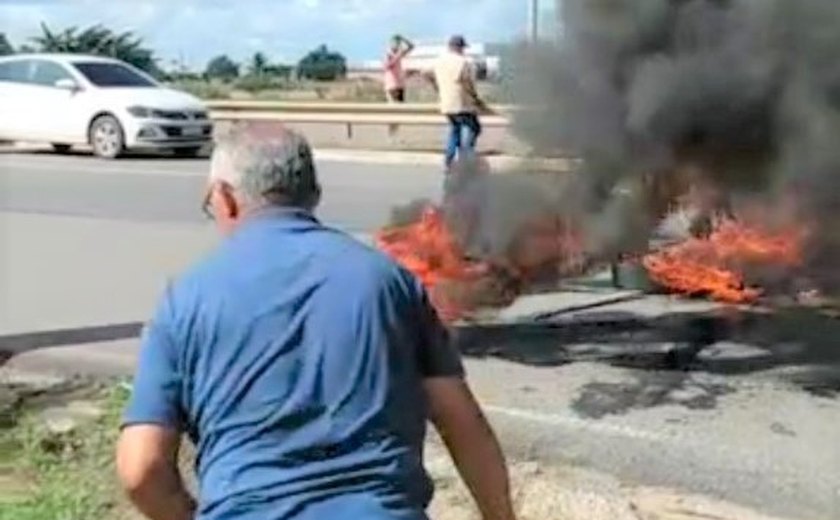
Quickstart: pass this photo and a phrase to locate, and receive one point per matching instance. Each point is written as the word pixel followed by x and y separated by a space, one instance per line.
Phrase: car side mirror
pixel 68 84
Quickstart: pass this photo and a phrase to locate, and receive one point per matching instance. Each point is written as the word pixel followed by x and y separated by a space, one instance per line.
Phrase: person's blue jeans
pixel 458 124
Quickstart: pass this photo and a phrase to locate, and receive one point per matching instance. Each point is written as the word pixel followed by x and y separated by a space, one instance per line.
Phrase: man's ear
pixel 224 202
pixel 316 197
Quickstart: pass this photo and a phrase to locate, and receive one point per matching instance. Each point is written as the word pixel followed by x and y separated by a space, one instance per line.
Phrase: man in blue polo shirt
pixel 301 363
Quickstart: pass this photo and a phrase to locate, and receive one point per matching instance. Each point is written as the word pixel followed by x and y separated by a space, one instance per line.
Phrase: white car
pixel 67 99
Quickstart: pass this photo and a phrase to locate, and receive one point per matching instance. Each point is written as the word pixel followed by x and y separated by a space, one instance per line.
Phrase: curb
pixel 503 162
pixel 368 156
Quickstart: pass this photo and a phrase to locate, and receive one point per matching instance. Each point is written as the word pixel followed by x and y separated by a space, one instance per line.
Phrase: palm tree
pixel 5 46
pixel 259 62
pixel 99 41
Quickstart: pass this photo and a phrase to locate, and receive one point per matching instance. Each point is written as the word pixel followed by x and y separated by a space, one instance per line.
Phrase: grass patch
pixel 46 475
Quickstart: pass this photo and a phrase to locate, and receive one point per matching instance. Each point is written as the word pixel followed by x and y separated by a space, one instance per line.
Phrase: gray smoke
pixel 740 96
pixel 512 223
pixel 488 211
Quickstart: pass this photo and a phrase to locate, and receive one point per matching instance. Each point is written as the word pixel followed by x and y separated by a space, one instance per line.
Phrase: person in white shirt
pixel 454 79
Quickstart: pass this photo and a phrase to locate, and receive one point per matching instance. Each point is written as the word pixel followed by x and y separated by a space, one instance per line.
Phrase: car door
pixel 14 98
pixel 59 114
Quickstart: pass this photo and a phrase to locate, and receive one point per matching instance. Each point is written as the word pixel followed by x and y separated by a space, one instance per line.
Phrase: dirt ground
pixel 568 493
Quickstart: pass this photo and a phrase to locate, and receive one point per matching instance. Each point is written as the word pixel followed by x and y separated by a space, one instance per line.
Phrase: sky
pixel 194 31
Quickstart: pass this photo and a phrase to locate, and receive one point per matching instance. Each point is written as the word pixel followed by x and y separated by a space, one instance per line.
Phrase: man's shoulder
pixel 334 255
pixel 451 63
pixel 360 257
pixel 190 285
pixel 370 270
pixel 450 58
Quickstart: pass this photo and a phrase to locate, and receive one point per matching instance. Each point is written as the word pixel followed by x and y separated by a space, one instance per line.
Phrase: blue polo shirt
pixel 294 357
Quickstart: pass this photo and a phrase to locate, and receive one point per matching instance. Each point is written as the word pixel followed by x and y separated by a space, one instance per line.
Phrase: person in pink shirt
pixel 394 73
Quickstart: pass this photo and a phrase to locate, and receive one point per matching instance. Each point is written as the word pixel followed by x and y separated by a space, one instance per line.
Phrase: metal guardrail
pixel 343 107
pixel 350 115
pixel 413 114
pixel 322 107
pixel 349 118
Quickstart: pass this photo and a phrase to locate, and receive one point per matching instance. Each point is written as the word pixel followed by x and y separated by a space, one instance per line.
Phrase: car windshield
pixel 112 75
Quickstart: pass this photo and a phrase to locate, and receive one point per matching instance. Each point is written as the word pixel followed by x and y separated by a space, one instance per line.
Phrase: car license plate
pixel 192 131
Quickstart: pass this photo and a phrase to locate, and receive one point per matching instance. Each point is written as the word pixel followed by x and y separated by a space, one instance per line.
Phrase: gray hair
pixel 266 163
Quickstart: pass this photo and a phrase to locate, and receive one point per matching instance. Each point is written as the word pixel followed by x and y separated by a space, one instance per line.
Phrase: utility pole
pixel 533 20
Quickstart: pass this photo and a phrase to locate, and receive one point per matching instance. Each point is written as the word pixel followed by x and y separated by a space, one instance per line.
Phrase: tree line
pixel 319 64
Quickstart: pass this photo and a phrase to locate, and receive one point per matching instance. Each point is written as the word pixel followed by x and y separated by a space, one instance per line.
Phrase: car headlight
pixel 140 112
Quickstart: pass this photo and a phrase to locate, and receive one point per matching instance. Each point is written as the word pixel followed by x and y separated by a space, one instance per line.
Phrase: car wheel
pixel 106 137
pixel 61 148
pixel 192 151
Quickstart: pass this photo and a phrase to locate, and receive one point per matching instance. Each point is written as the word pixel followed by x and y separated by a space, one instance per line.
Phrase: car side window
pixel 48 73
pixel 16 71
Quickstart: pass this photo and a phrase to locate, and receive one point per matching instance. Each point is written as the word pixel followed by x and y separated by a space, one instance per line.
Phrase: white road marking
pixel 93 167
pixel 575 423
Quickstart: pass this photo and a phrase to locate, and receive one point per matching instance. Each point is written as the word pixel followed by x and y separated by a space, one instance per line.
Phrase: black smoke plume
pixel 658 98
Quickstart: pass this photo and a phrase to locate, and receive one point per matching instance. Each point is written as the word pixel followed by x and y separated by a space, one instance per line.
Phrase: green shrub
pixel 322 64
pixel 204 89
pixel 256 83
pixel 223 68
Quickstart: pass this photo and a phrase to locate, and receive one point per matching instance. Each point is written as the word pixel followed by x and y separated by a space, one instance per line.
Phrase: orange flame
pixel 428 249
pixel 458 285
pixel 713 265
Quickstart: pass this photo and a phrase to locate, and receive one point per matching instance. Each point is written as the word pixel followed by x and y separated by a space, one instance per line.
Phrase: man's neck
pixel 276 210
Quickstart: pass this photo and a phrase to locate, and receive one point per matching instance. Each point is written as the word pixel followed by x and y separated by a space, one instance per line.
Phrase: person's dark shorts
pixel 397 94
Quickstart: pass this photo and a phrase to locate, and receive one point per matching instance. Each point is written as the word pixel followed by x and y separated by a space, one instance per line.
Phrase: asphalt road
pixel 358 197
pixel 755 418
